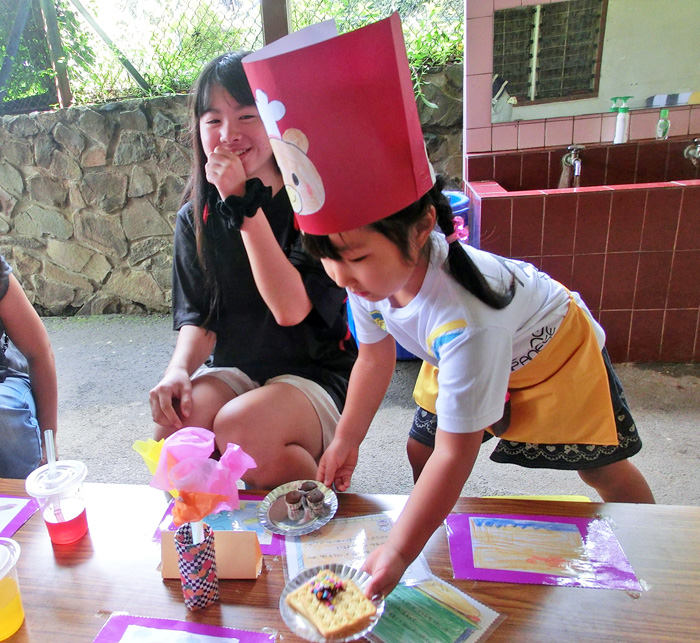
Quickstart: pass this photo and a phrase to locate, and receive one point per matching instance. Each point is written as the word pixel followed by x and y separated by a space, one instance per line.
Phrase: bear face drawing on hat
pixel 301 179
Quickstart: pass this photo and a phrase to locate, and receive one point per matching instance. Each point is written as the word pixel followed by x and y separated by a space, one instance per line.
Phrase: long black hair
pixel 397 228
pixel 226 71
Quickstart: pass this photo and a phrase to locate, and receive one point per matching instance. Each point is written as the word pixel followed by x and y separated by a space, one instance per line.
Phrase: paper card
pixel 542 550
pixel 341 116
pixel 433 611
pixel 346 541
pixel 238 555
pixel 245 518
pixel 124 628
pixel 14 512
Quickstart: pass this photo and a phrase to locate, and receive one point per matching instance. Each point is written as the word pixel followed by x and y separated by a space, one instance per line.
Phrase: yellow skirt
pixel 561 397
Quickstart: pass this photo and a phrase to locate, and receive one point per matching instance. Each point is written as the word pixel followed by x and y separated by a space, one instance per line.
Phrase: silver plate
pixel 301 627
pixel 272 512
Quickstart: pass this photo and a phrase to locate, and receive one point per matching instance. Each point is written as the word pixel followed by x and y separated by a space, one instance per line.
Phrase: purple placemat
pixel 14 512
pixel 152 630
pixel 222 522
pixel 542 550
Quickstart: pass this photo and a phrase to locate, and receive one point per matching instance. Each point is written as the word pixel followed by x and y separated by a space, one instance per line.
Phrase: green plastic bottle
pixel 663 125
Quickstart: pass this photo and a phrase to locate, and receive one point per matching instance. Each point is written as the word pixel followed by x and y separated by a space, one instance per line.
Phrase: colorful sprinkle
pixel 325 589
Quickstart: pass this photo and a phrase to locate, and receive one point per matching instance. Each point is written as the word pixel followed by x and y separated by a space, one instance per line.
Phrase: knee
pixel 594 477
pixel 161 432
pixel 230 425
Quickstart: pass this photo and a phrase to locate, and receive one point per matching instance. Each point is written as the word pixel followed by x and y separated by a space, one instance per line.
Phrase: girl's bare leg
pixel 209 395
pixel 418 455
pixel 618 482
pixel 278 426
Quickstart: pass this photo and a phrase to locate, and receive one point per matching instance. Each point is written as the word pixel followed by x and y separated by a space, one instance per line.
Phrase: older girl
pixel 263 354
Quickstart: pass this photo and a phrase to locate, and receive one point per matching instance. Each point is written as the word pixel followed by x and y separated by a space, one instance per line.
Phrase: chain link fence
pixel 117 49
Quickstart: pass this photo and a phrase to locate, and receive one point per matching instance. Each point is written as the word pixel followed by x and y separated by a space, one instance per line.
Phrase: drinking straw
pixel 50 452
pixel 197 532
pixel 51 458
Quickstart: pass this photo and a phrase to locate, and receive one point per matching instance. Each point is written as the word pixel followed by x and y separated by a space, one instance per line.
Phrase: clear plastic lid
pixel 9 555
pixel 41 483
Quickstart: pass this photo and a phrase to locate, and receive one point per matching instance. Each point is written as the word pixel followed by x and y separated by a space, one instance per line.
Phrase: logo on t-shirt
pixel 444 335
pixel 538 341
pixel 378 319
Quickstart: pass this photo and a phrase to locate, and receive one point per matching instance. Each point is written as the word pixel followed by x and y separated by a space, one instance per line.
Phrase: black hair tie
pixel 235 208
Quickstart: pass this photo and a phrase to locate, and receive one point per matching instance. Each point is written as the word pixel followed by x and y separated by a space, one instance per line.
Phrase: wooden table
pixel 69 591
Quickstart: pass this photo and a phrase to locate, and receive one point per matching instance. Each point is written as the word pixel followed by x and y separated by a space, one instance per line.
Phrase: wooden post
pixel 275 19
pixel 58 58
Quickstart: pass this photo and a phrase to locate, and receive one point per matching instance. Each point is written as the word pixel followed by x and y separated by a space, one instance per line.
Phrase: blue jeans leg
pixel 20 441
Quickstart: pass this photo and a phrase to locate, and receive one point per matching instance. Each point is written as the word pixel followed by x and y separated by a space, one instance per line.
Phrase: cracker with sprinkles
pixel 334 606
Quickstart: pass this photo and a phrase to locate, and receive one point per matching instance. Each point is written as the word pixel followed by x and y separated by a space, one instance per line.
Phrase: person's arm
pixel 27 332
pixel 280 284
pixel 369 381
pixel 435 494
pixel 194 344
pixel 278 281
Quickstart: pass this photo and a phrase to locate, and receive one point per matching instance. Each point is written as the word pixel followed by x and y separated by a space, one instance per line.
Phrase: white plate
pixel 272 512
pixel 301 627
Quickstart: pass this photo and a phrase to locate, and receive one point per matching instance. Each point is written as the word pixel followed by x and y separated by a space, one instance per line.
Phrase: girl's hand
pixel 225 171
pixel 386 565
pixel 337 464
pixel 175 385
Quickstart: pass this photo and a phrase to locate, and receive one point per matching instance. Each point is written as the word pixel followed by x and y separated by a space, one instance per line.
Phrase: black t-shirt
pixel 320 348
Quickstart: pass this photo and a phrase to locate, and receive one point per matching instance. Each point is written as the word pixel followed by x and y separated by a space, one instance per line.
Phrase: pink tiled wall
pixel 482 136
pixel 637 162
pixel 632 251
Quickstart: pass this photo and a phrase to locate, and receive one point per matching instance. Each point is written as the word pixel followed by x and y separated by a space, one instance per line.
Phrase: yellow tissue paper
pixel 150 450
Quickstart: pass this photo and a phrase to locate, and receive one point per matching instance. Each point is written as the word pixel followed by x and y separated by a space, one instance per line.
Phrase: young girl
pixel 248 301
pixel 28 390
pixel 498 329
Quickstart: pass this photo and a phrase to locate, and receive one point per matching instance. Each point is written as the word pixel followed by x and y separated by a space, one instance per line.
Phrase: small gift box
pixel 197 564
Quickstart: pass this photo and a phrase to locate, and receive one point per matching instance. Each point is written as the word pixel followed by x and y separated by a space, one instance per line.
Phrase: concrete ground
pixel 107 364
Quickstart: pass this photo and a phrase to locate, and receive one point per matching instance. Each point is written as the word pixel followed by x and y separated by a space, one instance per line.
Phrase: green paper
pixel 411 616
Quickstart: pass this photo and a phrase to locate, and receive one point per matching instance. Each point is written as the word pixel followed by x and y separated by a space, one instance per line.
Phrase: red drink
pixel 57 486
pixel 73 527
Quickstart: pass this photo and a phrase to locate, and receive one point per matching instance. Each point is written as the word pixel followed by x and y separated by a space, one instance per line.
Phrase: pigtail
pixel 459 264
pixel 397 228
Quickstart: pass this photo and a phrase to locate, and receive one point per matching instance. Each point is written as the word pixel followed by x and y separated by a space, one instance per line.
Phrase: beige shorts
pixel 322 402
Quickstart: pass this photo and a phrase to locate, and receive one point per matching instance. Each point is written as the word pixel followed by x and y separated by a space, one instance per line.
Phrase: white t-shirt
pixel 476 347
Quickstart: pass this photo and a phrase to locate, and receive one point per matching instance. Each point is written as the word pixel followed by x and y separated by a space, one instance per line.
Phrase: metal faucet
pixel 692 152
pixel 573 159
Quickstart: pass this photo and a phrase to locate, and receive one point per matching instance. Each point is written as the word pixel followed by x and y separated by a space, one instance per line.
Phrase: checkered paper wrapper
pixel 197 564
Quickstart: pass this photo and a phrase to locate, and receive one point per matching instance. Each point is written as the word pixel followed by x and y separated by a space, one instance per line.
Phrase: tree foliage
pixel 32 73
pixel 168 41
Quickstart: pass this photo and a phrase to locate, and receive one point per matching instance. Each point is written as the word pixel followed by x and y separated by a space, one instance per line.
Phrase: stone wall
pixel 88 196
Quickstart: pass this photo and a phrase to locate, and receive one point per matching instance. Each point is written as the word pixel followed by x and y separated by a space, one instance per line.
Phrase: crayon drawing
pixel 542 550
pixel 529 546
pixel 245 518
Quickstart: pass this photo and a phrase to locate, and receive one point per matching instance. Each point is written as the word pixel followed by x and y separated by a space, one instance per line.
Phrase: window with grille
pixel 550 51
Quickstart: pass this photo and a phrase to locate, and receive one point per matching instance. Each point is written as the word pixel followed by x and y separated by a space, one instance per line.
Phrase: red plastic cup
pixel 59 493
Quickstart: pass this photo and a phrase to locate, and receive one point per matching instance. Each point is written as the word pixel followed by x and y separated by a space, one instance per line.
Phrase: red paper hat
pixel 341 116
